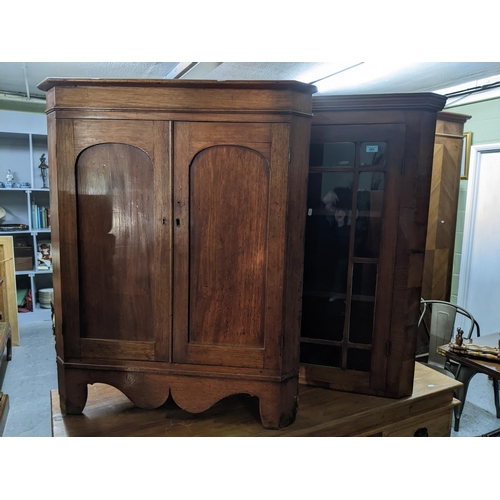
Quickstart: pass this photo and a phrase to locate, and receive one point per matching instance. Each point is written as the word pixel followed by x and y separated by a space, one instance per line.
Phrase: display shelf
pixel 28 204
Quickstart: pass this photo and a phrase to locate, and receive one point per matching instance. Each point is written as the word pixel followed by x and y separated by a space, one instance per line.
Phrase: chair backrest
pixel 443 315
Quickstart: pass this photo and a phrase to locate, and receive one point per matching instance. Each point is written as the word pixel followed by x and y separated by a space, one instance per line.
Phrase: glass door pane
pixel 332 154
pixel 342 246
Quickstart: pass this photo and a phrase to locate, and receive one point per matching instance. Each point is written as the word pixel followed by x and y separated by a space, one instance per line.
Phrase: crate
pixel 23 258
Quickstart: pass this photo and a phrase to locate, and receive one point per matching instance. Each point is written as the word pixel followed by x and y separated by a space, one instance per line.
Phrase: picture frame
pixel 467 143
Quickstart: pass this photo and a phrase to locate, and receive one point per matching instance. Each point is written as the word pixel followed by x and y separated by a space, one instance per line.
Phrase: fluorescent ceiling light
pixel 320 71
pixel 360 74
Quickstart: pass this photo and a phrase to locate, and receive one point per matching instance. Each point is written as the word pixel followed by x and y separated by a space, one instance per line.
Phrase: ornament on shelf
pixel 10 176
pixel 43 170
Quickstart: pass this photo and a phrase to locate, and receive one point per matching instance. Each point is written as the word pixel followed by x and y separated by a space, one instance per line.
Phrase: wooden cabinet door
pixel 350 248
pixel 113 231
pixel 229 237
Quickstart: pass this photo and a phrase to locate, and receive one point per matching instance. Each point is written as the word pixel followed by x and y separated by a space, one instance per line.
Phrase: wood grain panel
pixel 296 222
pixel 411 232
pixel 63 220
pixel 200 100
pixel 116 242
pixel 172 115
pixel 180 214
pixel 277 251
pixel 443 206
pixel 91 132
pixel 162 224
pixel 117 349
pixel 228 246
pixel 220 134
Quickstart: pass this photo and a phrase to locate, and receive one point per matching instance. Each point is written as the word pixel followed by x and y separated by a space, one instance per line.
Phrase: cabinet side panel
pixel 63 229
pixel 116 242
pixel 229 192
pixel 296 220
pixel 409 261
pixel 442 215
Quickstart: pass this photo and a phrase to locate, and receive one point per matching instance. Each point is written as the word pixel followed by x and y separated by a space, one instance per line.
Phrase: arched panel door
pixel 227 263
pixel 116 250
pixel 229 191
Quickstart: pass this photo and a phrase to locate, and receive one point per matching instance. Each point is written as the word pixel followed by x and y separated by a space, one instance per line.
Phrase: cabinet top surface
pixel 453 117
pixel 297 86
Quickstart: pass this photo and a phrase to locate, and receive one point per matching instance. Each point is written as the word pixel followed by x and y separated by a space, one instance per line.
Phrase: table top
pixel 481 365
pixel 321 412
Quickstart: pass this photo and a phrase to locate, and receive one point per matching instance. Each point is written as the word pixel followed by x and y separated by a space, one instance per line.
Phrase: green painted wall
pixel 484 122
pixel 31 107
pixel 485 127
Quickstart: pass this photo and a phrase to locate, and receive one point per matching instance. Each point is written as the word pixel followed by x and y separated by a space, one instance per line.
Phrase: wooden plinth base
pixel 194 392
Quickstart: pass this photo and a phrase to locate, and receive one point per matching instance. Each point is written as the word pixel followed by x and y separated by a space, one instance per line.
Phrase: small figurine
pixel 9 177
pixel 43 170
pixel 459 339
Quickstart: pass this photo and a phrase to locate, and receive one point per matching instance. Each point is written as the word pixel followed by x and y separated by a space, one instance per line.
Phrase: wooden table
pixel 469 367
pixel 321 412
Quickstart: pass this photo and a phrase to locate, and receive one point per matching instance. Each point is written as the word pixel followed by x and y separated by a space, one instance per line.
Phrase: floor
pixel 31 375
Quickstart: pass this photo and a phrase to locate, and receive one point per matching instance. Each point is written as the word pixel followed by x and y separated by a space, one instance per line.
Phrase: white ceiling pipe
pixel 25 69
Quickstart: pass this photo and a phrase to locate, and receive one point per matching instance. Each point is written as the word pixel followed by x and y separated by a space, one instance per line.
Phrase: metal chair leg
pixel 464 375
pixel 497 396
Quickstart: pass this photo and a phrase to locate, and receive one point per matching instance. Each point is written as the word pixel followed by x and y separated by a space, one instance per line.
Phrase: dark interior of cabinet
pixel 343 234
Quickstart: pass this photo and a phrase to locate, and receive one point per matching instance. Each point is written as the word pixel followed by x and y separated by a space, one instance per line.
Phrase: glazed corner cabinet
pixel 367 211
pixel 178 223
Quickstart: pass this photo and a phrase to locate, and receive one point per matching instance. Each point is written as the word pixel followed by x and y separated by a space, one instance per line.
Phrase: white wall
pixel 23 122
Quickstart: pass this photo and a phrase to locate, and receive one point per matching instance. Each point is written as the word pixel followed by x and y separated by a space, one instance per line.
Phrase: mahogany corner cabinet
pixel 368 201
pixel 178 219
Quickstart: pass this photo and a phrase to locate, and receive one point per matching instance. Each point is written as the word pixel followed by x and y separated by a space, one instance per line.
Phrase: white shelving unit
pixel 20 152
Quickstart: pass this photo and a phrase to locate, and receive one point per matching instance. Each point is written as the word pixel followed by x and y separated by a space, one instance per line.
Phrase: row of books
pixel 40 216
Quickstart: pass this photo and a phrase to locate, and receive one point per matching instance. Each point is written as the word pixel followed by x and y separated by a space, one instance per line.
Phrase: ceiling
pixel 19 80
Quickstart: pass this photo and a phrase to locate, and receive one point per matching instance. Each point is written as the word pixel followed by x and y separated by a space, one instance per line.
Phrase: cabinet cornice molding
pixel 277 97
pixel 424 101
